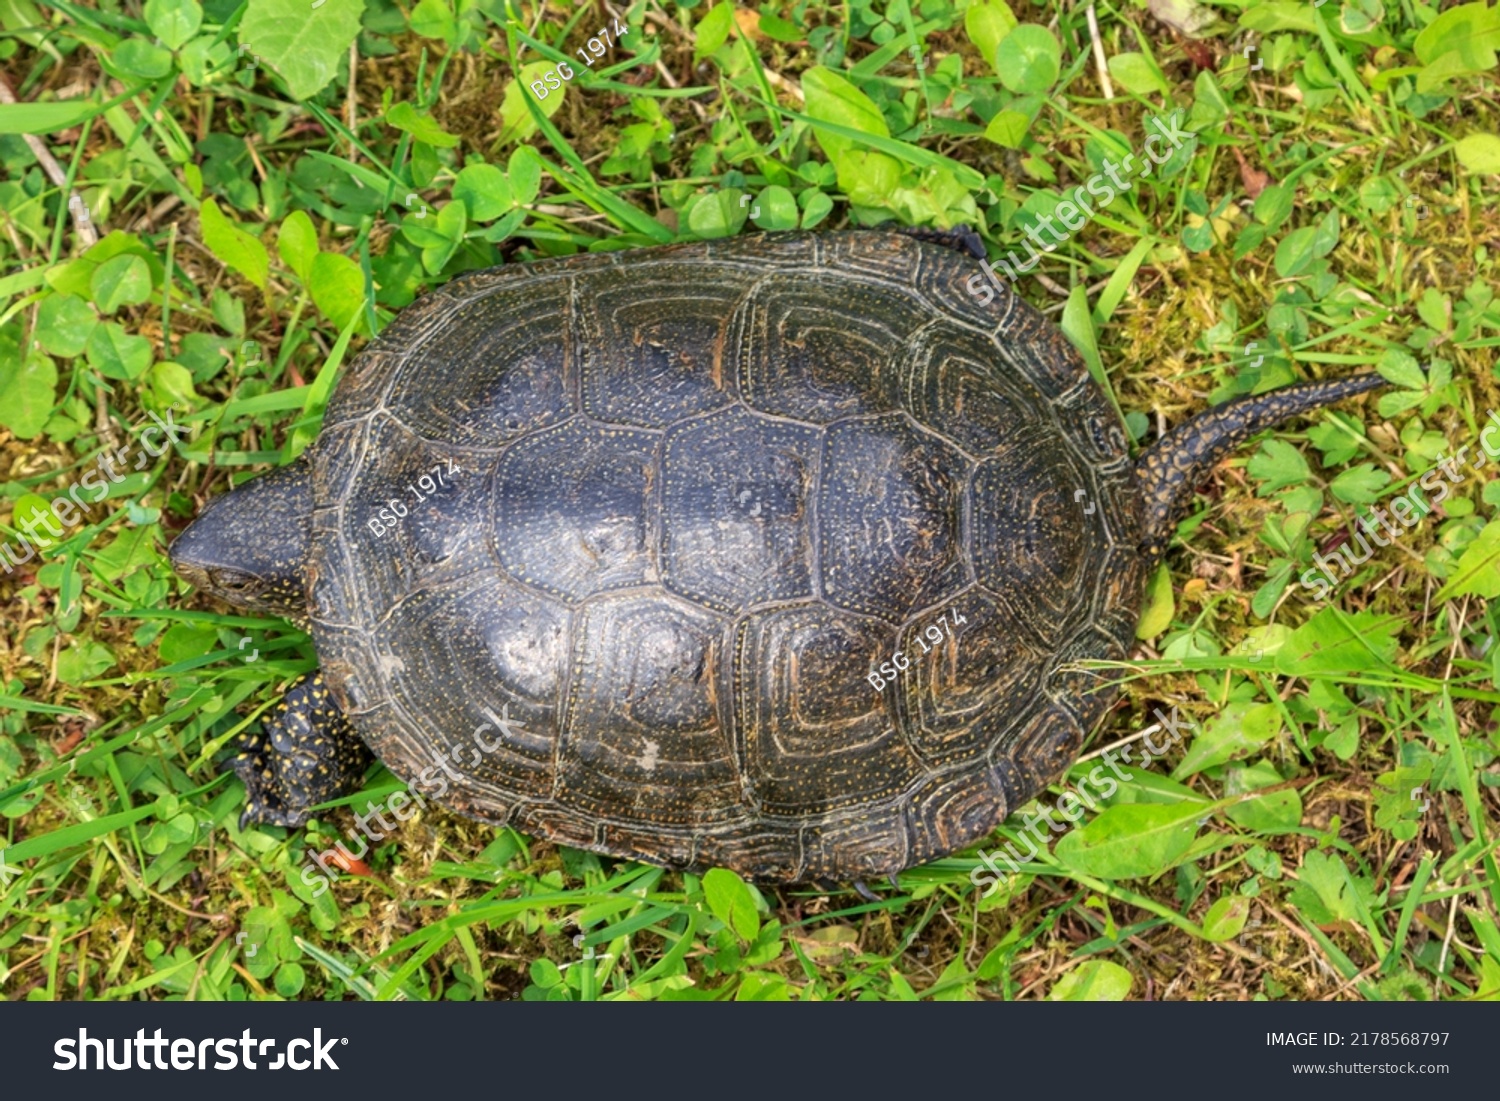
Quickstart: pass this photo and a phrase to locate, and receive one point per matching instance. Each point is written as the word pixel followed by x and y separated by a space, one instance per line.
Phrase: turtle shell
pixel 613 549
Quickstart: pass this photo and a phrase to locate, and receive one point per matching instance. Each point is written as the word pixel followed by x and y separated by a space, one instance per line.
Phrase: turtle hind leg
pixel 308 754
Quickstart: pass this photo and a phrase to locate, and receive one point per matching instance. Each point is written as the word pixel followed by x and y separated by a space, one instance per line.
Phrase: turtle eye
pixel 232 581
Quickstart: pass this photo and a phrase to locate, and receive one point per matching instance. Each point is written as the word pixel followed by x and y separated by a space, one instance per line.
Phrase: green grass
pixel 1326 828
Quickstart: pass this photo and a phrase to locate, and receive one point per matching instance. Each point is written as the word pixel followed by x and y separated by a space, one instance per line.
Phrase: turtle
pixel 781 553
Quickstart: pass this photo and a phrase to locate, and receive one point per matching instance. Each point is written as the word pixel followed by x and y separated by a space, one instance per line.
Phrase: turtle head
pixel 248 547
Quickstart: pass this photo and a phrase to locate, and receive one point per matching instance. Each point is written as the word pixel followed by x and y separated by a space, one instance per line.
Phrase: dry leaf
pixel 1254 179
pixel 749 22
pixel 351 864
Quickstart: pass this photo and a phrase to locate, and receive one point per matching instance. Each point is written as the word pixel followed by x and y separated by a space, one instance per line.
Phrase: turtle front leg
pixel 308 754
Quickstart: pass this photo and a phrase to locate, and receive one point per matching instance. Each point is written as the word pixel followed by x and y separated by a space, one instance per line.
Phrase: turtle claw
pixel 960 238
pixel 264 803
pixel 865 892
pixel 258 813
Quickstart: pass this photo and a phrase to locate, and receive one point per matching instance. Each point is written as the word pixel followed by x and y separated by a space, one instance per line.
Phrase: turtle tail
pixel 1170 469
